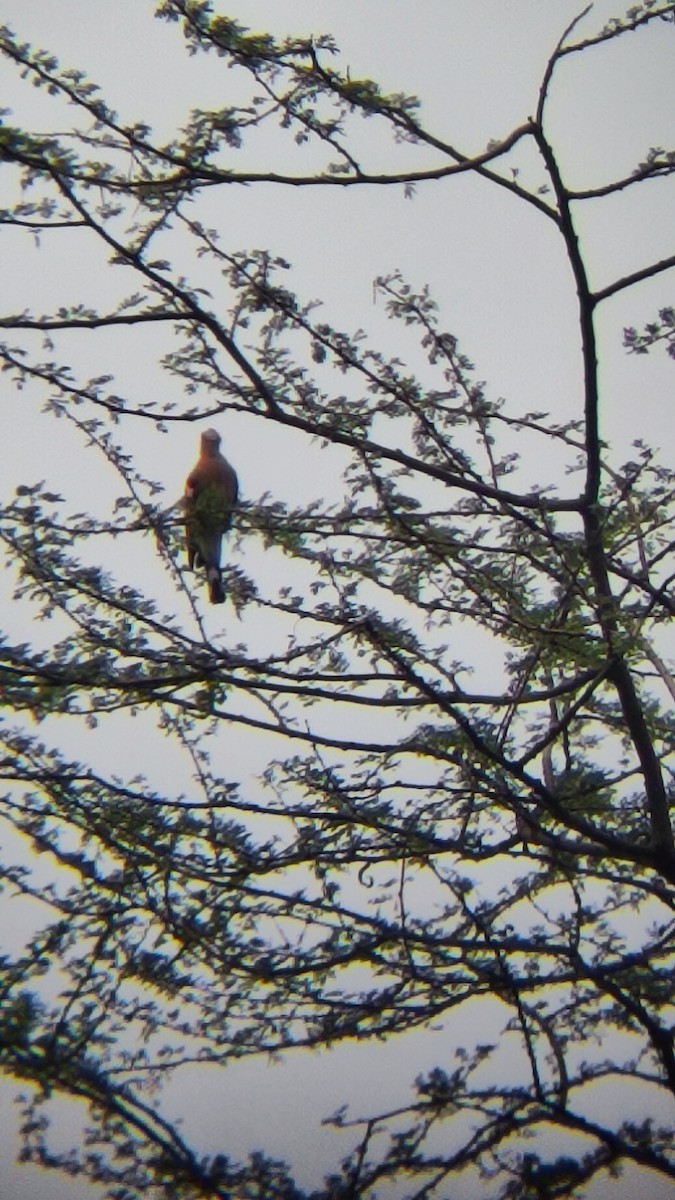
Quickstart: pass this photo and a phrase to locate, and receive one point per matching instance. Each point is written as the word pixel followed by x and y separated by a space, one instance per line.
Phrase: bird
pixel 211 493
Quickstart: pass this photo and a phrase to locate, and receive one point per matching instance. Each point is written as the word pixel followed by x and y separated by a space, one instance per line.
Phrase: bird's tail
pixel 216 593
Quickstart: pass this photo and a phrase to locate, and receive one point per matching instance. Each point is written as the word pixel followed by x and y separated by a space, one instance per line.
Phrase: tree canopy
pixel 418 774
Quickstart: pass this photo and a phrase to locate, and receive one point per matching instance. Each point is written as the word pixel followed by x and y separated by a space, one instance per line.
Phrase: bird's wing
pixel 211 492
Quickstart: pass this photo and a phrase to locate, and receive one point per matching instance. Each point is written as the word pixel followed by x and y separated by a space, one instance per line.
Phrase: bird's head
pixel 210 441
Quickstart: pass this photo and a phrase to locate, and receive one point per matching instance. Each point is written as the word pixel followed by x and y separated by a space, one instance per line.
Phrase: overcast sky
pixel 493 264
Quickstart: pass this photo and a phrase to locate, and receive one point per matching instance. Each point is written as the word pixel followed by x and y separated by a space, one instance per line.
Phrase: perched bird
pixel 211 492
